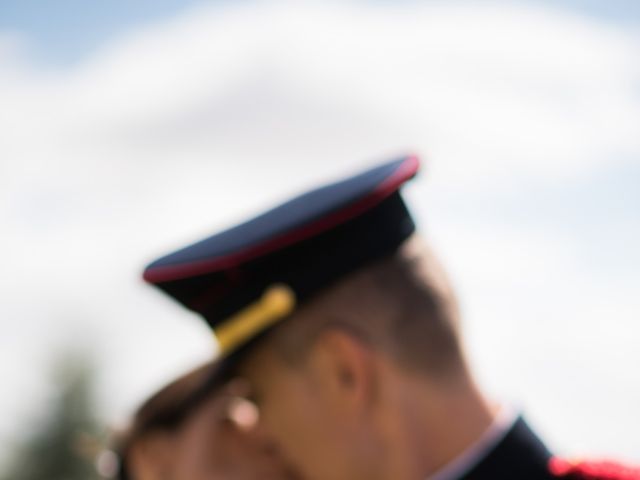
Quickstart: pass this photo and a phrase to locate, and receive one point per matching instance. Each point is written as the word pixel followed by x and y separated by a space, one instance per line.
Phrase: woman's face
pixel 210 446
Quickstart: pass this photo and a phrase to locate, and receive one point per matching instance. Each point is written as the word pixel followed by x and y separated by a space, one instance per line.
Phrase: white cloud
pixel 184 126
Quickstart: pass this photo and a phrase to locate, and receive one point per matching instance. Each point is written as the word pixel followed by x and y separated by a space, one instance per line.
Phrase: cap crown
pixel 244 279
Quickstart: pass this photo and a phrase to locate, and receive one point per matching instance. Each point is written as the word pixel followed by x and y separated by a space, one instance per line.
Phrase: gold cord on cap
pixel 276 303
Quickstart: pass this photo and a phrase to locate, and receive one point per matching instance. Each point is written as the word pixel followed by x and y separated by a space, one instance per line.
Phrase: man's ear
pixel 346 366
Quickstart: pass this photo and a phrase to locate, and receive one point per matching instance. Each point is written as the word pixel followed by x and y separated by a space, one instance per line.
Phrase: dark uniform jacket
pixel 520 455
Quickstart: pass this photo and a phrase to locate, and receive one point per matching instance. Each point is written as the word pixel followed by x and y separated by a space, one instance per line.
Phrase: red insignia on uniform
pixel 592 470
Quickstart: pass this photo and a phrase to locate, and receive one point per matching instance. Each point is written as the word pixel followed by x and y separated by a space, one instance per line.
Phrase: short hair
pixel 403 304
pixel 166 411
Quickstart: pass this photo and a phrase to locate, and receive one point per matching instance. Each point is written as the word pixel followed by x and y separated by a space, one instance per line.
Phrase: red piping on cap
pixel 406 170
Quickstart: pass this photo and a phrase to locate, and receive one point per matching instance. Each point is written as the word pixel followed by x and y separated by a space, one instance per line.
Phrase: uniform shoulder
pixel 592 470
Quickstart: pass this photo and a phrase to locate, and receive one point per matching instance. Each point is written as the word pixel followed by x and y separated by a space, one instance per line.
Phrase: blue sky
pixel 66 31
pixel 129 126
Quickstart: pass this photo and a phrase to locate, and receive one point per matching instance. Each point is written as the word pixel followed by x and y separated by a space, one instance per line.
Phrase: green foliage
pixel 61 445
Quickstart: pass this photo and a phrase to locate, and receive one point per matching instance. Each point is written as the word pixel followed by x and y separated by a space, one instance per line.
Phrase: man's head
pixel 348 331
pixel 329 382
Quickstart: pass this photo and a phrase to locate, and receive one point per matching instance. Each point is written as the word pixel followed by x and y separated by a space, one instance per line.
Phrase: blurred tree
pixel 64 441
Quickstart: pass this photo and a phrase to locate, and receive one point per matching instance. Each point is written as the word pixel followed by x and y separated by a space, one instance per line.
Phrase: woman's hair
pixel 166 410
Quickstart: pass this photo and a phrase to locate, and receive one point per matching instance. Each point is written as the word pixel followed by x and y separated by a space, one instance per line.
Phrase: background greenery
pixel 63 439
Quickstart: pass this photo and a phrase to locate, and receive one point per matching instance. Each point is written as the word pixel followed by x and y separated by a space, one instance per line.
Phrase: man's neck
pixel 436 422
